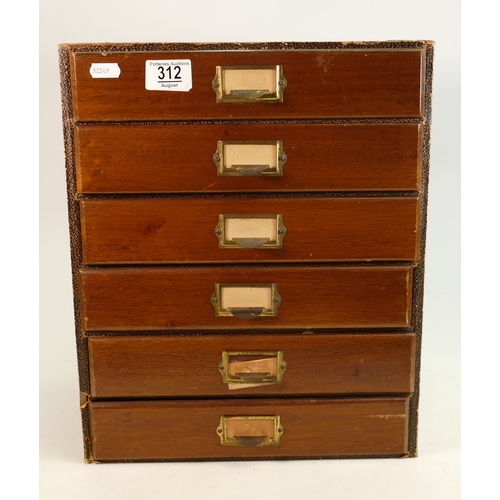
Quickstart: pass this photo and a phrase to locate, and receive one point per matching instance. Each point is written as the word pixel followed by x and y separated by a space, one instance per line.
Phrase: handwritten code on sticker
pixel 105 70
pixel 169 75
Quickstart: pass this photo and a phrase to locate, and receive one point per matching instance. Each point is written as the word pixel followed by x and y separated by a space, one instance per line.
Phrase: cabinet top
pixel 196 46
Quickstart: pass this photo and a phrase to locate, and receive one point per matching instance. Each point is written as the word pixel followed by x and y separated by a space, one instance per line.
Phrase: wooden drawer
pixel 170 298
pixel 323 427
pixel 320 84
pixel 162 230
pixel 194 365
pixel 179 158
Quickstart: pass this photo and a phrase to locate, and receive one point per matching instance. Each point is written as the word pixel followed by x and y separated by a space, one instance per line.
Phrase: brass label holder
pixel 263 368
pixel 246 300
pixel 250 430
pixel 263 231
pixel 250 158
pixel 249 84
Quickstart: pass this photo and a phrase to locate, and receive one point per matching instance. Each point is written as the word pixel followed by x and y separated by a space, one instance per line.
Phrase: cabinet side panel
pixel 67 103
pixel 419 270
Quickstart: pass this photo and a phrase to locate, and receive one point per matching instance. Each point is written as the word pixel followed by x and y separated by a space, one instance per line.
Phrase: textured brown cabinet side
pixel 144 199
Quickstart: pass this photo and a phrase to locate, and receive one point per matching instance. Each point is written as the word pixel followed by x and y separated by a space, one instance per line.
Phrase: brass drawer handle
pixel 250 242
pixel 252 367
pixel 250 170
pixel 250 440
pixel 263 231
pixel 246 312
pixel 249 158
pixel 246 300
pixel 253 378
pixel 250 431
pixel 249 84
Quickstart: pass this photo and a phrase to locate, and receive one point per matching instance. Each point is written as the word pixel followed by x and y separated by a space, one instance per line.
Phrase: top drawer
pixel 340 83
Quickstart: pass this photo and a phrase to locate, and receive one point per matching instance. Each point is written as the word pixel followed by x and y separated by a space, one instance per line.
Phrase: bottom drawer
pixel 287 428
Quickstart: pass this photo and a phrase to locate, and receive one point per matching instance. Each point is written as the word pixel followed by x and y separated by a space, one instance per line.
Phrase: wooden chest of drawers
pixel 247 233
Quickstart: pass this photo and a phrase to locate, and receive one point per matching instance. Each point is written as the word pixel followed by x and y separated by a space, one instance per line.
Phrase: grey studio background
pixel 435 473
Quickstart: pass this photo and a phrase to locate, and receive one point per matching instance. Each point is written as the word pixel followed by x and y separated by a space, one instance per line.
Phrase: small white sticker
pixel 174 75
pixel 105 70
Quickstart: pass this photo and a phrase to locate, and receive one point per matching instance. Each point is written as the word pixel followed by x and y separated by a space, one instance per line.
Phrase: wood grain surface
pixel 179 298
pixel 321 427
pixel 355 123
pixel 182 229
pixel 161 158
pixel 187 365
pixel 321 84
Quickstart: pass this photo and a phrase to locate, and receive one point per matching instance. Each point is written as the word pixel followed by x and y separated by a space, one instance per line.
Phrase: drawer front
pixel 319 84
pixel 194 365
pixel 185 298
pixel 326 427
pixel 179 158
pixel 226 230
